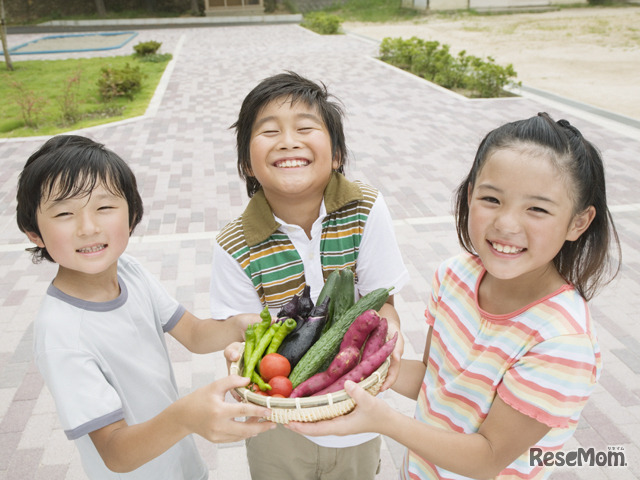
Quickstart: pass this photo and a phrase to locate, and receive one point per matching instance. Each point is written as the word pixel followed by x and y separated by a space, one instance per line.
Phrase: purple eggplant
pixel 321 309
pixel 305 304
pixel 290 309
pixel 296 344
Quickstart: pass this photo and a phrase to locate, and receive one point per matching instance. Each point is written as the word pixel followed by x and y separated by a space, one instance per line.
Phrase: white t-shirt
pixel 379 265
pixel 107 361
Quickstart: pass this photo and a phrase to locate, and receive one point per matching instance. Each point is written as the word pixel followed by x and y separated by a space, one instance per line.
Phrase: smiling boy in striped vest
pixel 304 219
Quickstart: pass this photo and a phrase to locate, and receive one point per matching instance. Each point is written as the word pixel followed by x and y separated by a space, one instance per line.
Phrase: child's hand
pixel 243 320
pixel 366 417
pixel 232 354
pixel 396 355
pixel 208 415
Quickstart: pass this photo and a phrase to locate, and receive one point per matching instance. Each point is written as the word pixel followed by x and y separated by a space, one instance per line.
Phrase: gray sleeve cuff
pixel 95 424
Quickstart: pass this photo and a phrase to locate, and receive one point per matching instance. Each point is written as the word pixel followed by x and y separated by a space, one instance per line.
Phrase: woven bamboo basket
pixel 310 409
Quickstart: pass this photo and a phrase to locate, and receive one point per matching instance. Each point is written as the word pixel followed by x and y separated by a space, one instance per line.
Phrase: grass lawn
pixel 43 86
pixel 372 11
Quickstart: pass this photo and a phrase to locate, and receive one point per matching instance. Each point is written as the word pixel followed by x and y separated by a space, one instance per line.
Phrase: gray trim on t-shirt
pixel 117 302
pixel 95 424
pixel 174 319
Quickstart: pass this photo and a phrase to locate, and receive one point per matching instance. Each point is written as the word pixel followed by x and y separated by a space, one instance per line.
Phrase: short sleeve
pixel 553 380
pixel 231 291
pixel 380 263
pixel 84 399
pixel 434 298
pixel 168 310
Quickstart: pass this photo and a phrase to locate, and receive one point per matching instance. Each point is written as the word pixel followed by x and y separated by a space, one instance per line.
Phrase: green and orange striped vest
pixel 269 258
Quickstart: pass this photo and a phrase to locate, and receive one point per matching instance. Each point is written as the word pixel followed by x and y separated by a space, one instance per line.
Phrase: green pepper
pixel 285 328
pixel 259 349
pixel 257 379
pixel 264 325
pixel 265 315
pixel 249 345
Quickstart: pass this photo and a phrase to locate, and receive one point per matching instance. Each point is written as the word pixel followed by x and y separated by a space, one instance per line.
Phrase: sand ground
pixel 590 55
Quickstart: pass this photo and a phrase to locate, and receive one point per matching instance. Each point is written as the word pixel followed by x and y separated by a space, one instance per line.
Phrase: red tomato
pixel 274 364
pixel 256 389
pixel 280 386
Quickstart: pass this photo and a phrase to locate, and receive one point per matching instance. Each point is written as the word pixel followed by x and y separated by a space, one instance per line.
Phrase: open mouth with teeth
pixel 508 249
pixel 92 249
pixel 292 163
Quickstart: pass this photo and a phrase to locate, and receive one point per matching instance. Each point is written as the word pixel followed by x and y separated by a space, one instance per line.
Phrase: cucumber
pixel 328 344
pixel 344 297
pixel 340 289
pixel 329 289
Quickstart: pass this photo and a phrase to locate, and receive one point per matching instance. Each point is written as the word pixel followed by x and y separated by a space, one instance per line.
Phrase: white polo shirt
pixel 379 265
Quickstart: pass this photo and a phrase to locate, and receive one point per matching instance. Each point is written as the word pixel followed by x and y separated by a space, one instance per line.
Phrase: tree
pixel 3 34
pixel 150 5
pixel 100 8
pixel 194 7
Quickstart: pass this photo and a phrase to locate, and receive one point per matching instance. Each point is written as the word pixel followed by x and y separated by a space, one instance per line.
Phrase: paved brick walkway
pixel 411 139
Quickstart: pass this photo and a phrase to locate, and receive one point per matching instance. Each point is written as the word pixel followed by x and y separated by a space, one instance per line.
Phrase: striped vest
pixel 269 258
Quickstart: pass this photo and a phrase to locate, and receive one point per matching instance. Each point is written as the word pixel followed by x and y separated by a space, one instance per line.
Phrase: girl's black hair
pixel 587 261
pixel 68 166
pixel 292 86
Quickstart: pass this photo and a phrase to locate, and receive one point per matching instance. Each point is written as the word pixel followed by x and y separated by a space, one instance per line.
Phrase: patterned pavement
pixel 410 138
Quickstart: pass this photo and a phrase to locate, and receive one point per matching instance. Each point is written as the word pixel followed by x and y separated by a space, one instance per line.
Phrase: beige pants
pixel 281 454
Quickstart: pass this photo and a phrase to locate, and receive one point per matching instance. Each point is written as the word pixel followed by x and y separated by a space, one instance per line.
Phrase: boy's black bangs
pixel 305 95
pixel 64 183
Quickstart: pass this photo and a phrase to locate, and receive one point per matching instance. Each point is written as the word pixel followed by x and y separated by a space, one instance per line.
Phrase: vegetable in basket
pixel 345 296
pixel 263 326
pixel 365 368
pixel 376 339
pixel 298 342
pixel 341 364
pixel 339 287
pixel 360 329
pixel 328 344
pixel 257 379
pixel 305 304
pixel 290 309
pixel 274 365
pixel 286 327
pixel 259 349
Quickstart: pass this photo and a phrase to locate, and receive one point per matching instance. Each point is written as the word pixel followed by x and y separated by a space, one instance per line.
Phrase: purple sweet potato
pixel 344 361
pixel 365 368
pixel 360 329
pixel 376 339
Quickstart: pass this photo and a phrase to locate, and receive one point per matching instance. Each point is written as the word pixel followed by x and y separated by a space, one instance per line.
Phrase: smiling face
pixel 290 151
pixel 85 234
pixel 521 212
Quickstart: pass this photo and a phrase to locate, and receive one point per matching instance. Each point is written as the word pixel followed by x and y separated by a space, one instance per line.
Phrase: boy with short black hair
pixel 304 220
pixel 99 335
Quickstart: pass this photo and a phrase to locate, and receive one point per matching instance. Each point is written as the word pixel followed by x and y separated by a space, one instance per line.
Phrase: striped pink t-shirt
pixel 543 360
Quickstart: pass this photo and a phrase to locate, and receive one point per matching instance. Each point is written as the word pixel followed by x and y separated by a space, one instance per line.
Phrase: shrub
pixel 29 102
pixel 124 82
pixel 68 100
pixel 488 79
pixel 322 23
pixel 156 58
pixel 146 48
pixel 434 62
pixel 401 53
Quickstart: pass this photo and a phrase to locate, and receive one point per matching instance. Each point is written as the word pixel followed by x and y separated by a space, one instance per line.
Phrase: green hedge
pixel 434 62
pixel 322 22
